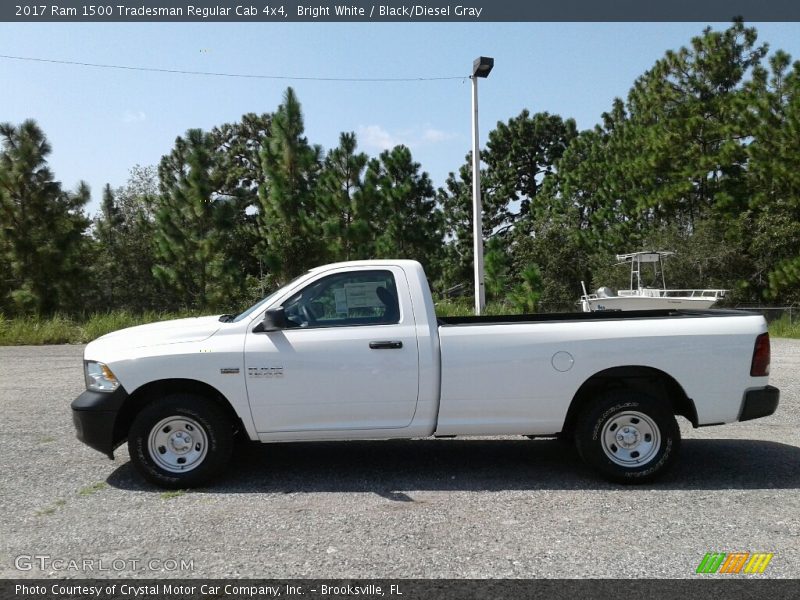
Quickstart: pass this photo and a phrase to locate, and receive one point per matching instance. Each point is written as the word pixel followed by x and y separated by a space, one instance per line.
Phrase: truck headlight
pixel 99 377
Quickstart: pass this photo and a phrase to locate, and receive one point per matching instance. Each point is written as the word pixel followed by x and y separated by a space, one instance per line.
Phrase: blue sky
pixel 101 122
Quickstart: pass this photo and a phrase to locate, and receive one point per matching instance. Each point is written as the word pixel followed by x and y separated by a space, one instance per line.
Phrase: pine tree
pixel 409 223
pixel 125 249
pixel 497 267
pixel 289 217
pixel 520 158
pixel 237 155
pixel 190 224
pixel 348 209
pixel 238 176
pixel 692 110
pixel 525 296
pixel 42 227
pixel 106 268
pixel 774 154
pixel 455 200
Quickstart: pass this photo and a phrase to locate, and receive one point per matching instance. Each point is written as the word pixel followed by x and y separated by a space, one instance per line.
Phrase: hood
pixel 194 329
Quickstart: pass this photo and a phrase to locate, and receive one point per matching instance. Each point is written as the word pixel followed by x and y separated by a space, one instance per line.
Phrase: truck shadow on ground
pixel 389 468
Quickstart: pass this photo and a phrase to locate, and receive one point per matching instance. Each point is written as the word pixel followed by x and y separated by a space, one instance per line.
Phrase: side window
pixel 346 299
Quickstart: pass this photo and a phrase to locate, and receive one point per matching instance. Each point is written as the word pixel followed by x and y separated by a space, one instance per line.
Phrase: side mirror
pixel 274 320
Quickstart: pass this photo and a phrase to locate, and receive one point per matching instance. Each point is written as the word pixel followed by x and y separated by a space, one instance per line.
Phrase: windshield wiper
pixel 227 318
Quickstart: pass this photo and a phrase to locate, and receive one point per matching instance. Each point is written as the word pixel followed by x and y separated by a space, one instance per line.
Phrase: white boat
pixel 641 297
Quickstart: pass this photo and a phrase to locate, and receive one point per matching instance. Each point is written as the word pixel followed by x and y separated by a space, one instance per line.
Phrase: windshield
pixel 258 305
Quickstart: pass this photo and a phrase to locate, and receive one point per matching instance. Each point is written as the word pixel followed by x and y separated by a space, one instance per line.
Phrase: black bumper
pixel 759 403
pixel 94 415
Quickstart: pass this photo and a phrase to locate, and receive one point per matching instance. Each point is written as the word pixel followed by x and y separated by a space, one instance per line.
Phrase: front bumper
pixel 94 415
pixel 759 403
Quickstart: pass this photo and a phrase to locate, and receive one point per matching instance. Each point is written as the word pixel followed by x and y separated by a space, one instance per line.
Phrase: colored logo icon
pixel 735 562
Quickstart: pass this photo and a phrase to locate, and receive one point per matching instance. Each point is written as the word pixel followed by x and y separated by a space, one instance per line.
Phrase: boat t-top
pixel 642 297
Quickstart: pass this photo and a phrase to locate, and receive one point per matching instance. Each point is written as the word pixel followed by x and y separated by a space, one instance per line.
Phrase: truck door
pixel 347 359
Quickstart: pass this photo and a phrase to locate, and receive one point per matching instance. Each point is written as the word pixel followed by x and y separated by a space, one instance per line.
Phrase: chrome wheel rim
pixel 178 444
pixel 630 439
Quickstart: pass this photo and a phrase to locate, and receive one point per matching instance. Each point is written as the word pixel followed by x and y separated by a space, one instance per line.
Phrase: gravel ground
pixel 492 507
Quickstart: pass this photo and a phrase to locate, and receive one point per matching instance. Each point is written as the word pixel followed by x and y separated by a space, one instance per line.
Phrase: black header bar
pixel 280 11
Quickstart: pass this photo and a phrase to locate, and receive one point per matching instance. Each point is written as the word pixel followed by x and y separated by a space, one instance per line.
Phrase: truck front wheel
pixel 180 441
pixel 628 437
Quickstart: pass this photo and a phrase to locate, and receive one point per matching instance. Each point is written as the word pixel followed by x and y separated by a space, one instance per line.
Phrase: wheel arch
pixel 653 381
pixel 154 390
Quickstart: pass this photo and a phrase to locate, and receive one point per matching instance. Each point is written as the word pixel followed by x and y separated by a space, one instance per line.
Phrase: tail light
pixel 760 365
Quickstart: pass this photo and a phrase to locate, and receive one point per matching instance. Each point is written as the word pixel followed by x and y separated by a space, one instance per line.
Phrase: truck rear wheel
pixel 628 437
pixel 180 441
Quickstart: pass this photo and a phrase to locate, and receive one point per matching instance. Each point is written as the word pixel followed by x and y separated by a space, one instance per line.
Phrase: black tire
pixel 628 437
pixel 181 441
pixel 565 437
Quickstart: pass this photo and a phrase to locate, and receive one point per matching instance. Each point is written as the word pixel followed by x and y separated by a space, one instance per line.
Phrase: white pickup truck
pixel 355 351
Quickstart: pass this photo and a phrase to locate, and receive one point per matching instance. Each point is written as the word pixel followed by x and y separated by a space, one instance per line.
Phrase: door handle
pixel 388 345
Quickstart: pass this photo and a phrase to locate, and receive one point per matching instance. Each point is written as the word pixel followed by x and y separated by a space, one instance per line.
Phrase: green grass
pixel 50 509
pixel 35 331
pixel 783 328
pixel 60 329
pixel 172 494
pixel 91 489
pixel 465 307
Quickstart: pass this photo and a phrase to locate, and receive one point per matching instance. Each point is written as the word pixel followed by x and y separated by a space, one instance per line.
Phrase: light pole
pixel 481 67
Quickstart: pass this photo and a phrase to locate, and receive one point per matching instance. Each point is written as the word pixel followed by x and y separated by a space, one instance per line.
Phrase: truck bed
pixel 542 360
pixel 609 315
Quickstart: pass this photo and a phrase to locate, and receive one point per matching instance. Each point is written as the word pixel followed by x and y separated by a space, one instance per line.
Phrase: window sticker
pixel 361 295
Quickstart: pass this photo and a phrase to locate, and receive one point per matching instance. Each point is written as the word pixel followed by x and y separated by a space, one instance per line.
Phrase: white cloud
pixel 131 116
pixel 376 137
pixel 434 136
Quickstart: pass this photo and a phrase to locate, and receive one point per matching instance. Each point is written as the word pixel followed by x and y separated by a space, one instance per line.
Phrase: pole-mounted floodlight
pixel 481 67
